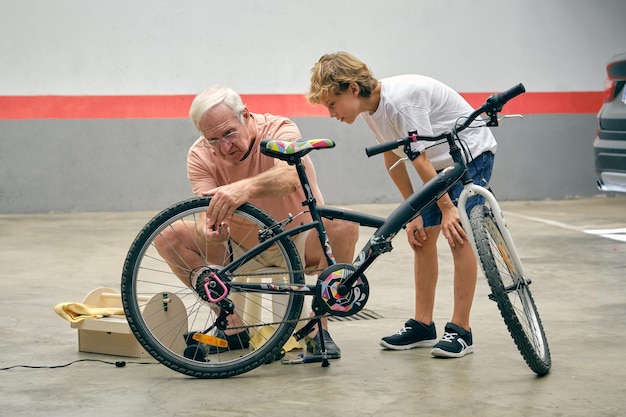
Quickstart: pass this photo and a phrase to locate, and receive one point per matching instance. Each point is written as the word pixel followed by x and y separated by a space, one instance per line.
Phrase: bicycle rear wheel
pixel 510 290
pixel 170 313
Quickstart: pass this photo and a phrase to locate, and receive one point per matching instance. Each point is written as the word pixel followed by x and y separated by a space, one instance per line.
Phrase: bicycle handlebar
pixel 493 105
pixel 497 101
pixel 388 146
pixel 383 147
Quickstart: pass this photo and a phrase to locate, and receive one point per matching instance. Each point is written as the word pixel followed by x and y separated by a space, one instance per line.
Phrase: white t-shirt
pixel 416 102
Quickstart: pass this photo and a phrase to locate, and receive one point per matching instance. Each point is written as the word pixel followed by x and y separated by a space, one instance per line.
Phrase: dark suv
pixel 610 143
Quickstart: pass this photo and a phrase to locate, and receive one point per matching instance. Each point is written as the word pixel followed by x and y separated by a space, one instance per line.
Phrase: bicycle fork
pixel 470 190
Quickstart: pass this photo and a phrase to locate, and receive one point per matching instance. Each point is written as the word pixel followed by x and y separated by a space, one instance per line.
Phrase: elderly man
pixel 226 163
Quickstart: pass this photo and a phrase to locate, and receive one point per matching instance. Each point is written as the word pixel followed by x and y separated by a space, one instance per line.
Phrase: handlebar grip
pixel 497 101
pixel 382 147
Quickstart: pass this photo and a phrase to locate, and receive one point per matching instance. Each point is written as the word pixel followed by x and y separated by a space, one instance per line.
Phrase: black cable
pixel 469 158
pixel 118 364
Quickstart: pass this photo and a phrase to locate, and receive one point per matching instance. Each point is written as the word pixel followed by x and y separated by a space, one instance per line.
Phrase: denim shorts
pixel 480 170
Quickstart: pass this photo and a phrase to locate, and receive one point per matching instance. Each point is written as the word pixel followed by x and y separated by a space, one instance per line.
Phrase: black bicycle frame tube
pixel 262 246
pixel 380 242
pixel 423 198
pixel 367 220
pixel 317 213
pixel 311 203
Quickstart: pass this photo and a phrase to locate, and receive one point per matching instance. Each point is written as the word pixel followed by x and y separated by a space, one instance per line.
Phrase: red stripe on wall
pixel 290 105
pixel 579 102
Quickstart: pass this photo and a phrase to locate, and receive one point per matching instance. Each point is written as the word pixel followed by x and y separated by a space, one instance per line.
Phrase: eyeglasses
pixel 227 138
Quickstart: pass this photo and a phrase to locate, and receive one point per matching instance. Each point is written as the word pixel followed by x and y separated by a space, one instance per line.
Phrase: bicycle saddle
pixel 290 149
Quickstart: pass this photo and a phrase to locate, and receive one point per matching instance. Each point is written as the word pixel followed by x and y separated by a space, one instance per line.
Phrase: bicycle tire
pixel 510 290
pixel 164 327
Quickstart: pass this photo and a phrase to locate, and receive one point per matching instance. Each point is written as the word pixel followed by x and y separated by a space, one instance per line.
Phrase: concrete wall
pixel 149 47
pixel 538 157
pixel 163 47
pixel 96 165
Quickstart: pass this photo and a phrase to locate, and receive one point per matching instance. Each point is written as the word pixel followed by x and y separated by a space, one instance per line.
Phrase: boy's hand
pixel 415 232
pixel 451 227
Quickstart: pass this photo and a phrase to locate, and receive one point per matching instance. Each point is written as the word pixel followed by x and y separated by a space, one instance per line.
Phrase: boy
pixel 391 108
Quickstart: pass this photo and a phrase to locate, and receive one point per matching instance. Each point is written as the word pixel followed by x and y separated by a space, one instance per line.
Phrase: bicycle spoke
pixel 170 311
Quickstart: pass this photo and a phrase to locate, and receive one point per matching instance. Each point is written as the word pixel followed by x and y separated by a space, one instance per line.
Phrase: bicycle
pixel 256 276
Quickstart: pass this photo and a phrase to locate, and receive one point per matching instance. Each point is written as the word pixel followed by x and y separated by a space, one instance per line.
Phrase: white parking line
pixel 618 234
pixel 545 221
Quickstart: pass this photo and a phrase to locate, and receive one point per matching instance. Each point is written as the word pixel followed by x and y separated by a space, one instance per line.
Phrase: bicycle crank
pixel 336 299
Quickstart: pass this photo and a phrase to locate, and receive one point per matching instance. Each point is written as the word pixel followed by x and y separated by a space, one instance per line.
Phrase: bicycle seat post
pixel 309 198
pixel 311 203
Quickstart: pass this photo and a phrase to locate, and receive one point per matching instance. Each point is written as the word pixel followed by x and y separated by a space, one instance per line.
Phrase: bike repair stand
pixel 304 331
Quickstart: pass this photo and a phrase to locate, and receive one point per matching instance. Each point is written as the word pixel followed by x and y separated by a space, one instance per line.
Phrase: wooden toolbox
pixel 113 336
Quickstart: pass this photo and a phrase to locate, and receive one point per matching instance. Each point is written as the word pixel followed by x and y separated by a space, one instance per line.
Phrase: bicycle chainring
pixel 329 294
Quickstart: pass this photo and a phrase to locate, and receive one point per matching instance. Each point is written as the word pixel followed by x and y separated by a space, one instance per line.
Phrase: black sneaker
pixel 313 345
pixel 414 334
pixel 455 343
pixel 235 341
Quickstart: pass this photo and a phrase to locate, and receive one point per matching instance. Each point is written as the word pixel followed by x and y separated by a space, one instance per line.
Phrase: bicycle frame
pixel 379 242
pixel 422 199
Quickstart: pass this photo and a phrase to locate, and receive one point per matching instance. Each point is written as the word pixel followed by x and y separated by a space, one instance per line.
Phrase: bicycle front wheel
pixel 170 312
pixel 510 290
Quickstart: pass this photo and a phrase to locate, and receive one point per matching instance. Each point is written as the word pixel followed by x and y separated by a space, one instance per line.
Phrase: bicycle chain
pixel 304 271
pixel 280 322
pixel 262 274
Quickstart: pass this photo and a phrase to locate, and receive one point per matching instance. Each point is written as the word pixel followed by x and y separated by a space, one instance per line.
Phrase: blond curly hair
pixel 333 73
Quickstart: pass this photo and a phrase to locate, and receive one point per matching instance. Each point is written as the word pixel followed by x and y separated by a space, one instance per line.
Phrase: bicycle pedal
pixel 195 352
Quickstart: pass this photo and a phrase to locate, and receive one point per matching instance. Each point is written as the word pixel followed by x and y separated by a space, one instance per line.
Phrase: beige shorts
pixel 271 258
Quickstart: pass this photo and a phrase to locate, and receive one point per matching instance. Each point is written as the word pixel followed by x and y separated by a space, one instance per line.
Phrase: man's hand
pixel 216 234
pixel 280 180
pixel 224 202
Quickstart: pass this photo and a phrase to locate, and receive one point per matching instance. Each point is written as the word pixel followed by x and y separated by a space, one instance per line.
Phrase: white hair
pixel 210 98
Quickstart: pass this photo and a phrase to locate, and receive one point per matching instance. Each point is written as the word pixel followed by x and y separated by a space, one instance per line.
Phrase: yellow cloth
pixel 265 332
pixel 75 312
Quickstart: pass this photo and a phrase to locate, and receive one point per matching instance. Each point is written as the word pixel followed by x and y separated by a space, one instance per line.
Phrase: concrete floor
pixel 578 284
